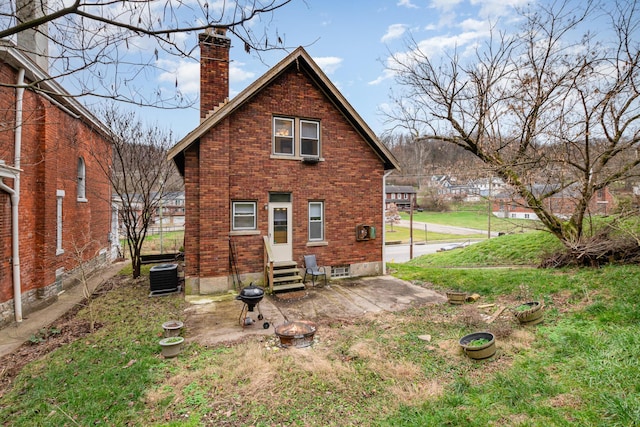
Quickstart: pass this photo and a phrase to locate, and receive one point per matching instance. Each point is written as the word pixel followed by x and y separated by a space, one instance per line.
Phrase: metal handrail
pixel 268 263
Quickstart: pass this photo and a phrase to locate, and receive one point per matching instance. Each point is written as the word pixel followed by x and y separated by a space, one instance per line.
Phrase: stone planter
pixel 529 313
pixel 172 328
pixel 171 346
pixel 456 298
pixel 479 351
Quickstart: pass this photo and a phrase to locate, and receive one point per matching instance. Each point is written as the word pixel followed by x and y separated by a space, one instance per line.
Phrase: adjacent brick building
pixel 54 198
pixel 286 168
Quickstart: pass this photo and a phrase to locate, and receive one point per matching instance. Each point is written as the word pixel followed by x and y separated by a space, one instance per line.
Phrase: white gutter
pixel 384 222
pixel 15 201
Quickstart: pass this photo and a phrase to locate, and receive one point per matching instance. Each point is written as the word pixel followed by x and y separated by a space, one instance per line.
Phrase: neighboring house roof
pixel 45 86
pixel 399 189
pixel 304 62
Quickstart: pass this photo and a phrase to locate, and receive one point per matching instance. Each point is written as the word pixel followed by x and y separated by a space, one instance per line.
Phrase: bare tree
pixel 551 109
pixel 102 47
pixel 139 174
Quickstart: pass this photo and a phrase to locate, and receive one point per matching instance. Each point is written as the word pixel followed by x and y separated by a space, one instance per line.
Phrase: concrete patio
pixel 210 321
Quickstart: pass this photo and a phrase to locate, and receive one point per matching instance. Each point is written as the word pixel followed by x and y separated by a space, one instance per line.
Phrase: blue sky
pixel 351 41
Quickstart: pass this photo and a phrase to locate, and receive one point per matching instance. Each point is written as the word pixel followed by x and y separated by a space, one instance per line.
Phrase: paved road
pixel 401 253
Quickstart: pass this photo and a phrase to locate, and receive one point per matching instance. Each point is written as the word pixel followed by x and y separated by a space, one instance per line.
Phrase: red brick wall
pixel 52 141
pixel 349 181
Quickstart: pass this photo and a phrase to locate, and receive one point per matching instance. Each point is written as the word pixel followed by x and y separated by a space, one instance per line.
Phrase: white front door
pixel 280 230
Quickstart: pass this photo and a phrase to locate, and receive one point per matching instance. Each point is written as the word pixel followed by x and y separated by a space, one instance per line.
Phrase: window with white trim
pixel 302 144
pixel 309 138
pixel 244 216
pixel 59 198
pixel 81 179
pixel 316 221
pixel 283 137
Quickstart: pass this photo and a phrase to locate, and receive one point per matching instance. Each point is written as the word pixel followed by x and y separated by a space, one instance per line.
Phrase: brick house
pixel 285 169
pixel 55 208
pixel 562 204
pixel 400 195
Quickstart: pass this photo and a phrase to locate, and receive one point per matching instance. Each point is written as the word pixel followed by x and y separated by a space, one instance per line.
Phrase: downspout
pixel 15 201
pixel 384 222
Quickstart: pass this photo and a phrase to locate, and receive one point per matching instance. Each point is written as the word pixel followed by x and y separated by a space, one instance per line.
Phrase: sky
pixel 350 41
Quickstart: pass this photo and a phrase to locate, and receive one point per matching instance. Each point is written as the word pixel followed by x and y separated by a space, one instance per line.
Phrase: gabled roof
pixel 303 61
pixel 399 189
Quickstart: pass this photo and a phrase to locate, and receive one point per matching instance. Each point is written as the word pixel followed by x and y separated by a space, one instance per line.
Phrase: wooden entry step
pixel 286 277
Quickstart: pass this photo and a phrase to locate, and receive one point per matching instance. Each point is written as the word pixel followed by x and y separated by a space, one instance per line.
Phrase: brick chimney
pixel 214 68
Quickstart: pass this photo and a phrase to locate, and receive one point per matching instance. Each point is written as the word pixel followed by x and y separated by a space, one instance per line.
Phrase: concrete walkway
pixel 14 335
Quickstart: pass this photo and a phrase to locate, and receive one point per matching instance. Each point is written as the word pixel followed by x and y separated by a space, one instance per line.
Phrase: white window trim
pixel 233 216
pixel 297 123
pixel 317 138
pixel 82 180
pixel 293 137
pixel 322 221
pixel 59 221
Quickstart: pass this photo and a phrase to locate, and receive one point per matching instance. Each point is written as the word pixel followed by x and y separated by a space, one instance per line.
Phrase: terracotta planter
pixel 171 346
pixel 479 352
pixel 456 298
pixel 530 313
pixel 172 328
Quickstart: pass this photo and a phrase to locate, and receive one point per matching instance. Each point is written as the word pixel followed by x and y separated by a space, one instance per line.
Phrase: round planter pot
pixel 529 313
pixel 172 328
pixel 171 346
pixel 456 298
pixel 478 352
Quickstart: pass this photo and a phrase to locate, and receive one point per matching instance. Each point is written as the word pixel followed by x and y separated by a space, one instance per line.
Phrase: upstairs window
pixel 296 138
pixel 81 180
pixel 309 138
pixel 283 137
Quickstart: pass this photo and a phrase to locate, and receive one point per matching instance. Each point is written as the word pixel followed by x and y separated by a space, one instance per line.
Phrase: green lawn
pixel 403 233
pixel 478 219
pixel 580 367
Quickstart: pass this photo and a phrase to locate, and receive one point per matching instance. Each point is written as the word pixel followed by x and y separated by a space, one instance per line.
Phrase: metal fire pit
pixel 296 334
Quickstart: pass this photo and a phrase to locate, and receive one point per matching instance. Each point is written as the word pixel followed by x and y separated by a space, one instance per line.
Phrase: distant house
pixel 400 195
pixel 284 169
pixel 55 209
pixel 507 204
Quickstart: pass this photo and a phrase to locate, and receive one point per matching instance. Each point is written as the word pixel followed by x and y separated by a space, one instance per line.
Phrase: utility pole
pixel 489 208
pixel 411 200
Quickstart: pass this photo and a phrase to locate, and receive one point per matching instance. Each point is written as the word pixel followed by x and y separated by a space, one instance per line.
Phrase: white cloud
pixel 187 74
pixel 491 9
pixel 406 3
pixel 237 74
pixel 445 5
pixel 328 64
pixel 393 32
